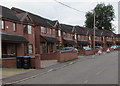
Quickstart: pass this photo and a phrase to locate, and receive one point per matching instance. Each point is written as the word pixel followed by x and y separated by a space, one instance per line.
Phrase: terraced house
pixel 26 34
pixel 69 38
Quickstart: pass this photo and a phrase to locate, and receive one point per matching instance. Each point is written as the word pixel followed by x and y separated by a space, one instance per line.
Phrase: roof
pixel 84 42
pixel 79 30
pixel 108 33
pixel 38 19
pixel 12 38
pixel 118 35
pixel 67 28
pixel 69 41
pixel 8 14
pixel 25 20
pixel 50 39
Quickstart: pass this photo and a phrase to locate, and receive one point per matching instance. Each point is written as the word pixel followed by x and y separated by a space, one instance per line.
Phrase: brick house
pixel 109 37
pixel 13 40
pixel 117 39
pixel 69 38
pixel 83 37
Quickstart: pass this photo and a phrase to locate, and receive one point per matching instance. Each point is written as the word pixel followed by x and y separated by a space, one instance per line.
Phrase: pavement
pixel 59 71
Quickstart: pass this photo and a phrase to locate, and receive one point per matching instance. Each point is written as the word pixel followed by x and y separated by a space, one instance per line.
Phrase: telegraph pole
pixel 94 30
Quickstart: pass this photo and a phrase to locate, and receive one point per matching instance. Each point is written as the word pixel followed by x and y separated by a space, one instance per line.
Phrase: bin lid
pixel 26 56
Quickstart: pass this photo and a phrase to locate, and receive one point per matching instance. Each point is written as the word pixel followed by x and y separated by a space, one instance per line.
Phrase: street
pixel 101 69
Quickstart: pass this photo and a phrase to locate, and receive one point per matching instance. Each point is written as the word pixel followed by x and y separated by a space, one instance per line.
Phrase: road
pixel 101 69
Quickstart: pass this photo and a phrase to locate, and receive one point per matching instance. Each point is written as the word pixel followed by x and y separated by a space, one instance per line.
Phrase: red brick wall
pixel 9 63
pixel 51 56
pixel 19 30
pixel 86 52
pixel 61 57
pixel 66 56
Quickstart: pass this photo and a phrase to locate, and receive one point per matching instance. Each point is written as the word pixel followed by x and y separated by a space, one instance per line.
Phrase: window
pixel 57 33
pixel 69 35
pixel 14 27
pixel 44 47
pixel 51 47
pixel 79 36
pixel 64 34
pixel 95 38
pixel 29 29
pixel 2 24
pixel 13 49
pixel 75 36
pixel 43 30
pixel 89 38
pixel 24 28
pixel 30 48
pixel 26 49
pixel 51 31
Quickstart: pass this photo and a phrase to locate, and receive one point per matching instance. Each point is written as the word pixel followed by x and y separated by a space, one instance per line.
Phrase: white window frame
pixel 29 29
pixel 3 24
pixel 75 36
pixel 43 29
pixel 59 32
pixel 51 30
pixel 79 36
pixel 30 48
pixel 14 27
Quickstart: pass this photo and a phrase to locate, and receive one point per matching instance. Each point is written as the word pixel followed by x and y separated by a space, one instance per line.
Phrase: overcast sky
pixel 52 10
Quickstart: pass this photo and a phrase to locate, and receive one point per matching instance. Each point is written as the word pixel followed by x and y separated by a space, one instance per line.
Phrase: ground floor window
pixel 30 48
pixel 26 49
pixel 44 47
pixel 51 47
pixel 14 49
pixel 57 46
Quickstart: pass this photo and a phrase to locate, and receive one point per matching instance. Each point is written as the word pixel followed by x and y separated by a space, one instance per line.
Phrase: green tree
pixel 104 15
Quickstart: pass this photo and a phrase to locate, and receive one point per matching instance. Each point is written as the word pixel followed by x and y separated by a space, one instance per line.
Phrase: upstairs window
pixel 3 25
pixel 64 34
pixel 69 35
pixel 57 33
pixel 29 29
pixel 51 31
pixel 79 36
pixel 14 26
pixel 24 28
pixel 43 30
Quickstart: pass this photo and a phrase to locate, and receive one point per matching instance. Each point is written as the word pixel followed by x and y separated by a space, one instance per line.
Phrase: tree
pixel 104 15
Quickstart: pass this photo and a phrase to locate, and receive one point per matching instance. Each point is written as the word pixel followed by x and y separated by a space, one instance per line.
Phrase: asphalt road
pixel 101 69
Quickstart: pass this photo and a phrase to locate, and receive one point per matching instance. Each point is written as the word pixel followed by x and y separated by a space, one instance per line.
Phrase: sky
pixel 50 9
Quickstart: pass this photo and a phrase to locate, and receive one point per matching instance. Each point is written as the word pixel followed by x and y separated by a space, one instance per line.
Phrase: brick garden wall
pixel 60 56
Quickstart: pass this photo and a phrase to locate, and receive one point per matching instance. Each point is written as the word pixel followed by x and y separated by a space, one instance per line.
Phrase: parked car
pixel 98 47
pixel 69 49
pixel 87 48
pixel 114 47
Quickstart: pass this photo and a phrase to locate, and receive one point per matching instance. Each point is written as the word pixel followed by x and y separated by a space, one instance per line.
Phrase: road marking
pixel 50 70
pixel 99 72
pixel 71 62
pixel 85 82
